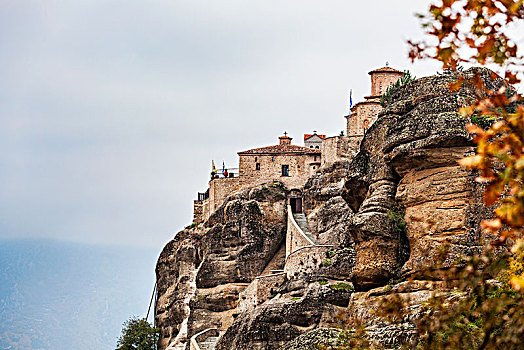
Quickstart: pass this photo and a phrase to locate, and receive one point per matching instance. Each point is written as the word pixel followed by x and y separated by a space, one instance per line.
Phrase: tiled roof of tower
pixel 281 149
pixel 386 70
pixel 307 136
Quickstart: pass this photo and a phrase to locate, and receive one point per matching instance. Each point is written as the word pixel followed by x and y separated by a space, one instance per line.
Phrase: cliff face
pixel 202 270
pixel 408 161
pixel 386 214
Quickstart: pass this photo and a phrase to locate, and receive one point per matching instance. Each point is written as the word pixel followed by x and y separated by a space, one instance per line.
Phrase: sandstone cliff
pixel 202 270
pixel 386 214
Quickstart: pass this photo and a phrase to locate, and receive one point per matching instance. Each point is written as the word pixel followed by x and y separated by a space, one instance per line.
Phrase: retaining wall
pixel 340 147
pixel 306 260
pixel 260 290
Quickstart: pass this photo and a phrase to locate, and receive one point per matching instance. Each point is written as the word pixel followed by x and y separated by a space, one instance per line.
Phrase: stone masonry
pixel 290 164
pixel 364 113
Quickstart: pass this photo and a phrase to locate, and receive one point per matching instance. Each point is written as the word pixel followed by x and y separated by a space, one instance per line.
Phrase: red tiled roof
pixel 386 70
pixel 307 136
pixel 281 149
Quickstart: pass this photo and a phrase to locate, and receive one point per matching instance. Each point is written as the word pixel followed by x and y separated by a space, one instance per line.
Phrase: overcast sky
pixel 111 111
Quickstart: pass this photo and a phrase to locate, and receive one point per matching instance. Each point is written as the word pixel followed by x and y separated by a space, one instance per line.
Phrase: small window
pixel 256 158
pixel 317 147
pixel 314 167
pixel 285 170
pixel 315 158
pixel 257 166
pixel 272 159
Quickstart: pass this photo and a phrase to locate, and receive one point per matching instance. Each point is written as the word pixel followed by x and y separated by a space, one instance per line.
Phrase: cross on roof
pixel 285 133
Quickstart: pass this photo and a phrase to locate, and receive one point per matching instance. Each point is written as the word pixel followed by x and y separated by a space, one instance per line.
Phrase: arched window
pixel 317 147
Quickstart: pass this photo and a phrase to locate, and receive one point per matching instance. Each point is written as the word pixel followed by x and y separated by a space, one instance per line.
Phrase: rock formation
pixel 386 213
pixel 203 269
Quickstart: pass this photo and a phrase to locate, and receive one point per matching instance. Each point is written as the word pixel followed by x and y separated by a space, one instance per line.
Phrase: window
pixel 317 147
pixel 272 159
pixel 311 146
pixel 314 167
pixel 315 158
pixel 256 159
pixel 285 170
pixel 257 166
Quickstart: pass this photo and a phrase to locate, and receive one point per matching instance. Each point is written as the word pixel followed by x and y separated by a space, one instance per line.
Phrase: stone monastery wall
pixel 306 260
pixel 339 147
pixel 300 168
pixel 365 114
pixel 381 82
pixel 220 189
pixel 260 290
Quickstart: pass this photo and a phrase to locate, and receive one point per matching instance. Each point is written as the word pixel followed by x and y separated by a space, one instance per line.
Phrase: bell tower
pixel 285 140
pixel 381 79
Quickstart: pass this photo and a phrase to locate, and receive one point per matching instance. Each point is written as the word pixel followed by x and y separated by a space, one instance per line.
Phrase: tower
pixel 285 140
pixel 364 113
pixel 381 79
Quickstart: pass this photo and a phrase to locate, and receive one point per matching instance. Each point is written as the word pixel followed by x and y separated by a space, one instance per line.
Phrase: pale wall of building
pixel 339 147
pixel 301 167
pixel 381 81
pixel 220 189
pixel 363 117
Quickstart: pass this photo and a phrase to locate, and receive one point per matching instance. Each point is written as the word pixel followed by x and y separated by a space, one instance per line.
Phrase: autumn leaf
pixel 471 161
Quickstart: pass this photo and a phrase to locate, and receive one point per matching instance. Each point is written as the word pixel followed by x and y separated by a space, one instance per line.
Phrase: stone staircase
pixel 300 219
pixel 208 344
pixel 204 340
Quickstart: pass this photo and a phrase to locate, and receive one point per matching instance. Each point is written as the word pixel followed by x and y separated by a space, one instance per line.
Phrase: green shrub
pixel 342 286
pixel 406 78
pixel 484 121
pixel 396 218
pixel 137 333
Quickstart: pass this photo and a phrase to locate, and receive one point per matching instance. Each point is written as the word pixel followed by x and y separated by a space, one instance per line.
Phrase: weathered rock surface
pixel 365 310
pixel 408 160
pixel 387 212
pixel 203 269
pixel 300 305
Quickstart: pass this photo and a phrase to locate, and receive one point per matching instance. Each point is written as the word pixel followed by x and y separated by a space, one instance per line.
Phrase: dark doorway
pixel 296 205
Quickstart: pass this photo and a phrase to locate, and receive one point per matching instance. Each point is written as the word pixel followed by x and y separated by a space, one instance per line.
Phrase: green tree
pixel 137 333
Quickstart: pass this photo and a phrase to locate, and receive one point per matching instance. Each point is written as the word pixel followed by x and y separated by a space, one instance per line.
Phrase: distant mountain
pixel 57 295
